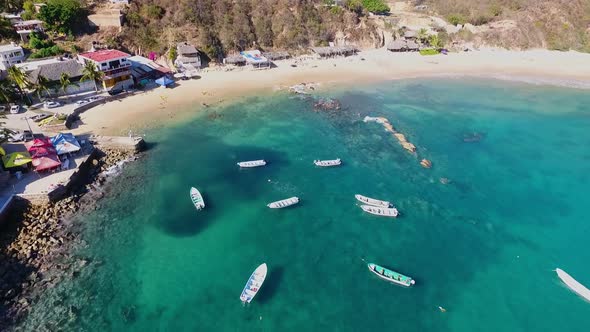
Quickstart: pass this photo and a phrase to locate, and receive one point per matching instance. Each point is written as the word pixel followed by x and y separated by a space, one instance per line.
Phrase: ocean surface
pixel 482 242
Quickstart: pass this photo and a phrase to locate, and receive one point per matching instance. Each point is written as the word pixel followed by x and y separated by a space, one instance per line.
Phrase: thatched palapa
pixel 329 52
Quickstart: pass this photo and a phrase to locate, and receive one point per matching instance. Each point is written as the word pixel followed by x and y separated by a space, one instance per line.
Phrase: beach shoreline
pixel 216 87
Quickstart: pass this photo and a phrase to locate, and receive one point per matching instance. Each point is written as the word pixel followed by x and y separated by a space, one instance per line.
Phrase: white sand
pixel 152 107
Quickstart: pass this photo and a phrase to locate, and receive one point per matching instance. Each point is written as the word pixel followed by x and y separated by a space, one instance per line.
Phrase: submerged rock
pixel 426 163
pixel 327 104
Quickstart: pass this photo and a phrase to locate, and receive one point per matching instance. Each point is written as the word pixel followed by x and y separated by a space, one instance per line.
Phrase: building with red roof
pixel 115 66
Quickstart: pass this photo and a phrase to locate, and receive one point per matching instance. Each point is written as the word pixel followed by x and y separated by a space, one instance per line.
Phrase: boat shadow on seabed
pixel 271 284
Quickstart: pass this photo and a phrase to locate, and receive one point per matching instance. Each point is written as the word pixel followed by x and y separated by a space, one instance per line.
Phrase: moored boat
pixel 371 201
pixel 390 275
pixel 197 198
pixel 573 284
pixel 283 203
pixel 380 211
pixel 252 163
pixel 254 283
pixel 328 163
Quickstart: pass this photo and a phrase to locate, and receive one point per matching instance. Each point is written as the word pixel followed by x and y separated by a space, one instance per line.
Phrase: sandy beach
pixel 150 108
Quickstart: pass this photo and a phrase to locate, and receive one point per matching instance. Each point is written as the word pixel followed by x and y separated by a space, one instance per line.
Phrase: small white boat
pixel 573 284
pixel 283 203
pixel 371 201
pixel 254 283
pixel 197 198
pixel 328 163
pixel 252 163
pixel 380 211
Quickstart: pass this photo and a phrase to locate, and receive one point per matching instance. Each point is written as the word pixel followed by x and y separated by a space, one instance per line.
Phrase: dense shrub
pixel 376 6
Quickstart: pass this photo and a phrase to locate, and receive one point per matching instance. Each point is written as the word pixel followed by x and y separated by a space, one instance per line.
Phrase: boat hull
pixel 197 199
pixel 252 163
pixel 380 211
pixel 284 203
pixel 327 163
pixel 372 201
pixel 254 283
pixel 391 276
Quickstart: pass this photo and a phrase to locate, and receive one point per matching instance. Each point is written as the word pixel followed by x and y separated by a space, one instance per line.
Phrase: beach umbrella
pixel 164 81
pixel 38 142
pixel 41 151
pixel 16 159
pixel 65 143
pixel 46 162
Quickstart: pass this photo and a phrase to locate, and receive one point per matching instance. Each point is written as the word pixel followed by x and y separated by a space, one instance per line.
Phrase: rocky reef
pixel 37 240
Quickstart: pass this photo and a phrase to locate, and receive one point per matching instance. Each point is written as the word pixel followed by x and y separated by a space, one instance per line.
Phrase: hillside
pixel 222 26
pixel 552 24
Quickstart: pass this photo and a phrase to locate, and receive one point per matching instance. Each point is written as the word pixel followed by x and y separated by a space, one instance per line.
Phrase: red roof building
pixel 114 64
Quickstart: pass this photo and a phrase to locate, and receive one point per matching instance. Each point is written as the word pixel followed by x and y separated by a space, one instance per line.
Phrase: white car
pixel 52 104
pixel 82 102
pixel 14 109
pixel 94 98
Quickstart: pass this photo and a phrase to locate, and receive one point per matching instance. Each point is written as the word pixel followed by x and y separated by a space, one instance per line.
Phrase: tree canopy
pixel 63 16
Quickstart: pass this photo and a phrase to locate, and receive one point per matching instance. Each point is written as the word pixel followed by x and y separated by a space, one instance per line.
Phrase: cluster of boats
pixel 370 205
pixel 377 207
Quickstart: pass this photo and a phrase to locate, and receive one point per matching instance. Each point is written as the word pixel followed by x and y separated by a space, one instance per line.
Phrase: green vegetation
pixel 6 30
pixel 376 6
pixel 90 72
pixel 29 10
pixel 43 47
pixel 429 52
pixel 63 16
pixel 456 19
pixel 172 54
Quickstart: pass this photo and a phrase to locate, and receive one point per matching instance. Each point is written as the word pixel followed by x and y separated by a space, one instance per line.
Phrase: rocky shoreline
pixel 37 241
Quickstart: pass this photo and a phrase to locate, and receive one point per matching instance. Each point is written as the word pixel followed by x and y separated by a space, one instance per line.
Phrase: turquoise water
pixel 482 246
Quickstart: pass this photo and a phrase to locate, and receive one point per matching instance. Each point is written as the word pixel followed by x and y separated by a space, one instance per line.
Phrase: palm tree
pixel 64 82
pixel 19 77
pixel 423 35
pixel 435 42
pixel 90 72
pixel 7 91
pixel 42 86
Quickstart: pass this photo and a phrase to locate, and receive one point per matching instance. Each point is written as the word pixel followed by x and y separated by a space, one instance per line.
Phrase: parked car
pixel 14 136
pixel 82 102
pixel 52 104
pixel 28 135
pixel 14 109
pixel 114 92
pixel 40 117
pixel 2 108
pixel 94 98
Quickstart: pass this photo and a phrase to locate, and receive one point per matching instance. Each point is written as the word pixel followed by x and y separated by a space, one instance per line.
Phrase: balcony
pixel 110 74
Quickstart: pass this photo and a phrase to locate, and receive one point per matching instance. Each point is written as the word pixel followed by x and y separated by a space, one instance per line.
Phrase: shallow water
pixel 482 246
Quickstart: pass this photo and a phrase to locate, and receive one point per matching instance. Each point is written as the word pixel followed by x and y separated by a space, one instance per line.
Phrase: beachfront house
pixel 53 70
pixel 234 60
pixel 115 66
pixel 255 59
pixel 187 56
pixel 25 28
pixel 10 54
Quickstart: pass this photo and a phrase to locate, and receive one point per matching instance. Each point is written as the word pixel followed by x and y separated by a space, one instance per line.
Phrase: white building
pixel 115 66
pixel 10 54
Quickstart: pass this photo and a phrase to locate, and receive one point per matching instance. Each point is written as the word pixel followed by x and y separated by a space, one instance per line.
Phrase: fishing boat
pixel 371 201
pixel 573 284
pixel 197 199
pixel 380 211
pixel 283 203
pixel 252 163
pixel 328 163
pixel 391 276
pixel 254 283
